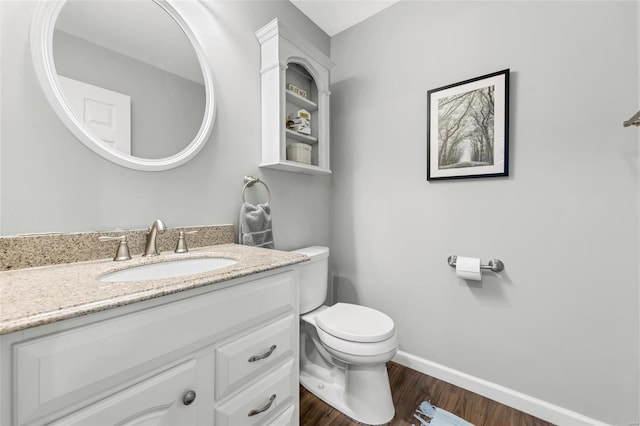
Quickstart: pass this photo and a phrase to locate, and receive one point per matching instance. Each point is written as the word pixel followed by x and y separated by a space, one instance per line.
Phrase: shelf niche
pixel 287 58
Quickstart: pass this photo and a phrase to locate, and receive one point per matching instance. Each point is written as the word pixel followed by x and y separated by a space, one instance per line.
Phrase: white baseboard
pixel 519 401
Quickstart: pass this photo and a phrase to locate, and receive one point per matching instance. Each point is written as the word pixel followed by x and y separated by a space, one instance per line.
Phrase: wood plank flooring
pixel 409 388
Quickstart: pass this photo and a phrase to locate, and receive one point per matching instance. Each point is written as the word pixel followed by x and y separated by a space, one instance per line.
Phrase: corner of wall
pixel 638 176
pixel 1 125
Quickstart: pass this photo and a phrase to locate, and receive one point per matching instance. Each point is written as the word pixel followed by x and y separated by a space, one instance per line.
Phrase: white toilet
pixel 343 348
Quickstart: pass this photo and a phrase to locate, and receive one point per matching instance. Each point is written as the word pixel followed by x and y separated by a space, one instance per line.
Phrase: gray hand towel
pixel 255 225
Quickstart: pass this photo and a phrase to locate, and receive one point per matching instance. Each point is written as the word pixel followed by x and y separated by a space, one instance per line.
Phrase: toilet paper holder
pixel 495 265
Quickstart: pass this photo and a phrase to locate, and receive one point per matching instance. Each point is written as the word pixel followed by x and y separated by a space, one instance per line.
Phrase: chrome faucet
pixel 158 227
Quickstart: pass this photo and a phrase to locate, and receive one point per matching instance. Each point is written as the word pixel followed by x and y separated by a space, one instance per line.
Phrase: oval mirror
pixel 127 77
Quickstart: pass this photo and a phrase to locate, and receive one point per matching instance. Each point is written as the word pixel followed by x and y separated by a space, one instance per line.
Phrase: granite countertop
pixel 35 296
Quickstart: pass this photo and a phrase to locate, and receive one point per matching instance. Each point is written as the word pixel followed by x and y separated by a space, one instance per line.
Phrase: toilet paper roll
pixel 468 268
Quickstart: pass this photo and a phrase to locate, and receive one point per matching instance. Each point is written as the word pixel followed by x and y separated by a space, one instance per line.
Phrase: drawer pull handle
pixel 264 355
pixel 189 397
pixel 265 408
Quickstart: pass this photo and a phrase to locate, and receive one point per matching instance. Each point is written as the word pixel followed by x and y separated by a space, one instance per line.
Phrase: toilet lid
pixel 355 323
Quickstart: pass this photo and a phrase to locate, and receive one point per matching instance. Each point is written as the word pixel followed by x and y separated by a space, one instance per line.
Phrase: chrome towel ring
pixel 249 181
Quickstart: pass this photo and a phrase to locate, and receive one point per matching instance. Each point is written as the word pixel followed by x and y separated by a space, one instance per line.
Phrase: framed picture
pixel 468 128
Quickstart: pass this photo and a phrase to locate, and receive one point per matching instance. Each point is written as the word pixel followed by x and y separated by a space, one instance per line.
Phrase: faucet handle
pixel 181 247
pixel 123 249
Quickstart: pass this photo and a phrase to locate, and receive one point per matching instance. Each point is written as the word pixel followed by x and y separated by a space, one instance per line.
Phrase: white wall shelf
pixel 301 137
pixel 305 103
pixel 286 57
pixel 294 166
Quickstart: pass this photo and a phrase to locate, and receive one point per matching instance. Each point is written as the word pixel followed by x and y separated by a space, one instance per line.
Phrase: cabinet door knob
pixel 189 397
pixel 264 355
pixel 263 409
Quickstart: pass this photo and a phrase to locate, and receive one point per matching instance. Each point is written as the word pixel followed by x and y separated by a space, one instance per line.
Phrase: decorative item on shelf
pixel 295 89
pixel 299 152
pixel 299 124
pixel 302 113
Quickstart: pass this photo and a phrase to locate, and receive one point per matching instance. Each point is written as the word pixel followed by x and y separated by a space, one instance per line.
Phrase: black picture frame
pixel 468 128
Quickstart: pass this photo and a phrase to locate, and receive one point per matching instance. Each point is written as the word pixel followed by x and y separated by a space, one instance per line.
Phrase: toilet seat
pixel 355 323
pixel 358 348
pixel 354 330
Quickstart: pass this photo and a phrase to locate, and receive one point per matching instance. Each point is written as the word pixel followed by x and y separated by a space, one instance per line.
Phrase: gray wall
pixel 50 182
pixel 561 322
pixel 166 109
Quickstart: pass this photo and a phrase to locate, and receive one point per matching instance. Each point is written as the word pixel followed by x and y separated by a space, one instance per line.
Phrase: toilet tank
pixel 314 276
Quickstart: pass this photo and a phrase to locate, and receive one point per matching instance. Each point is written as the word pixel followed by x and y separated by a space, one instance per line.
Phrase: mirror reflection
pixel 130 74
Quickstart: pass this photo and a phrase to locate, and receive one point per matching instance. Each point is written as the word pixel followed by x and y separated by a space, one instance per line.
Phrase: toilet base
pixel 362 393
pixel 354 384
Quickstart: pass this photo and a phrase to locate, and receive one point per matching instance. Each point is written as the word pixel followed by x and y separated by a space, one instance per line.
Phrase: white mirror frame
pixel 42 27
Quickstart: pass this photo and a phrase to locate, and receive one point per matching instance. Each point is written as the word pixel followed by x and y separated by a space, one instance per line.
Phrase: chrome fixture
pixel 181 247
pixel 495 265
pixel 633 121
pixel 122 253
pixel 189 397
pixel 264 355
pixel 264 408
pixel 249 181
pixel 151 249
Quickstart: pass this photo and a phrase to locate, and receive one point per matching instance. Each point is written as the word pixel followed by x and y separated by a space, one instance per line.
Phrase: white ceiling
pixel 335 16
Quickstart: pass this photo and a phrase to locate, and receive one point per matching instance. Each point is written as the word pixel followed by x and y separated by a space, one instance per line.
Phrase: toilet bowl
pixel 344 348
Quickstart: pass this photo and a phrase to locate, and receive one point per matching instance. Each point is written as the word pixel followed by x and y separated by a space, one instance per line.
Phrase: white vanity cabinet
pixel 225 354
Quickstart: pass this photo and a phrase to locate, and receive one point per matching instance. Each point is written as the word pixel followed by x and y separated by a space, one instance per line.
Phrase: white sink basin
pixel 173 268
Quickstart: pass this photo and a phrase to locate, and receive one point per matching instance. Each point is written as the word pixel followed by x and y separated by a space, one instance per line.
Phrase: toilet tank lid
pixel 314 252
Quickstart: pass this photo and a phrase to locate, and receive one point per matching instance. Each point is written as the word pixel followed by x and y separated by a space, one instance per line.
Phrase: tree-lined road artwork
pixel 466 129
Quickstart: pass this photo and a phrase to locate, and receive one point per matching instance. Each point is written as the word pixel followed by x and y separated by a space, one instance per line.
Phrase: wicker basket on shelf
pixel 299 152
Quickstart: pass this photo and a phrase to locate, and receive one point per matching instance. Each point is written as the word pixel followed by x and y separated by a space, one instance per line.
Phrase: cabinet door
pixel 156 401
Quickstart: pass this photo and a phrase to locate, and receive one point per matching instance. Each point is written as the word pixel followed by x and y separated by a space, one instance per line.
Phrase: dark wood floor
pixel 409 388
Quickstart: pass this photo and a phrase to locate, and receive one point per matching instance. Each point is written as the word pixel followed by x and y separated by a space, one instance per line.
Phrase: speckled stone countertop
pixel 29 251
pixel 35 296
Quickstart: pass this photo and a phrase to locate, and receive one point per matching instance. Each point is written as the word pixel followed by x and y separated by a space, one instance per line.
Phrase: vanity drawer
pixel 263 400
pixel 70 369
pixel 242 360
pixel 286 419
